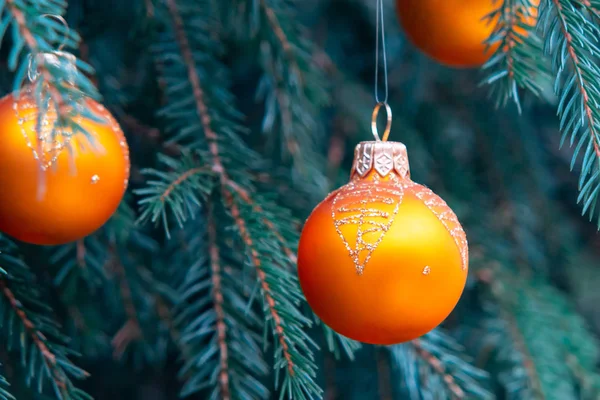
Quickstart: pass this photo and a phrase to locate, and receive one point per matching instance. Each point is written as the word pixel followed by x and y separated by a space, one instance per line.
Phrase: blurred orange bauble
pixel 382 260
pixel 57 190
pixel 453 32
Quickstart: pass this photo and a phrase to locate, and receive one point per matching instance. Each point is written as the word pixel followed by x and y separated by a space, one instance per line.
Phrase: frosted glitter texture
pixel 388 166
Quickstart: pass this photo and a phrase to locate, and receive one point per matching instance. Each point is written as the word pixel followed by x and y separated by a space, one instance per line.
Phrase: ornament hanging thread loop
pixel 380 32
pixel 60 19
pixel 388 125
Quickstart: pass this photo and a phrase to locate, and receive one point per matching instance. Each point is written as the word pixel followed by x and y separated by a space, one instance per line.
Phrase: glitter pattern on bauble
pixel 57 186
pixel 382 260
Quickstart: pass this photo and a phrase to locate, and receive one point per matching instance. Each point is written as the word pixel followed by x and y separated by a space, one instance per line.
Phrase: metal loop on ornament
pixel 388 126
pixel 52 58
pixel 32 70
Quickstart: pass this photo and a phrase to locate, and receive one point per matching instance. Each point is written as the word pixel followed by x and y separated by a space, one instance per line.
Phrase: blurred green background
pixel 526 326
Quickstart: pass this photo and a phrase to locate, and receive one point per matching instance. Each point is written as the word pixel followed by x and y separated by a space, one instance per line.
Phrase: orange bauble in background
pixel 58 190
pixel 382 260
pixel 453 32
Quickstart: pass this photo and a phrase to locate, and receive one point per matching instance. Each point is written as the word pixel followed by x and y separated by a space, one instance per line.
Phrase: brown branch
pixel 282 100
pixel 288 50
pixel 148 133
pixel 199 97
pixel 129 332
pixel 80 250
pixel 149 8
pixel 36 336
pixel 34 47
pixel 131 329
pixel 383 375
pixel 245 196
pixel 438 366
pixel 588 5
pixel 136 126
pixel 519 343
pixel 580 80
pixel 179 180
pixel 510 41
pixel 206 120
pixel 125 292
pixel 329 367
pixel 226 182
pixel 335 155
pixel 487 277
pixel 217 295
pixel 165 315
pixel 287 121
pixel 262 276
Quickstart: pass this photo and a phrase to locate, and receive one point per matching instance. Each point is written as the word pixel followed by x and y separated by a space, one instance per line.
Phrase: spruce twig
pixel 33 330
pixel 4 393
pixel 278 285
pixel 573 42
pixel 217 297
pixel 517 62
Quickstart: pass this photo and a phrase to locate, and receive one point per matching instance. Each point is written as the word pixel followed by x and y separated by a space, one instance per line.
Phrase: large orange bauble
pixel 58 190
pixel 382 260
pixel 453 32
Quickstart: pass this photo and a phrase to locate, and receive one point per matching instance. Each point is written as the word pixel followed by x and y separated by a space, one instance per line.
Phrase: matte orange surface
pixel 393 301
pixel 72 206
pixel 452 31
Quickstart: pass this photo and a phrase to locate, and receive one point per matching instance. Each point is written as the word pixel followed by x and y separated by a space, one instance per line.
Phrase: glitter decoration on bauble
pixel 58 186
pixel 383 259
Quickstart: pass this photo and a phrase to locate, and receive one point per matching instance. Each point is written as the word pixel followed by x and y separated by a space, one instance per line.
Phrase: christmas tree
pixel 240 116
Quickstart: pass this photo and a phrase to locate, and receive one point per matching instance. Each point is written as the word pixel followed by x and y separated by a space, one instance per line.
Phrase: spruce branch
pixel 439 368
pixel 514 351
pixel 335 341
pixel 281 298
pixel 573 43
pixel 174 191
pixel 267 219
pixel 292 87
pixel 79 262
pixel 61 83
pixel 131 330
pixel 517 62
pixel 545 349
pixel 210 323
pixel 31 329
pixel 103 282
pixel 217 297
pixel 436 366
pixel 213 124
pixel 4 393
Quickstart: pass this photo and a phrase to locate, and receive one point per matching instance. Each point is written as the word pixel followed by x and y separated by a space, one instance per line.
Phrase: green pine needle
pixel 61 82
pixel 4 394
pixel 572 39
pixel 29 329
pixel 518 61
pixel 435 366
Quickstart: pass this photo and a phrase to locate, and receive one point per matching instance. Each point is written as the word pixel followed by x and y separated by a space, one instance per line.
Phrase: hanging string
pixel 380 32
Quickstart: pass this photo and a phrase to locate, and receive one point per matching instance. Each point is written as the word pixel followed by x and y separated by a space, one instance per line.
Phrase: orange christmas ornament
pixel 382 260
pixel 453 32
pixel 57 188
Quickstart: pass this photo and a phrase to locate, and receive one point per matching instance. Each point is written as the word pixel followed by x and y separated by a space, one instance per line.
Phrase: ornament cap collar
pixel 382 157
